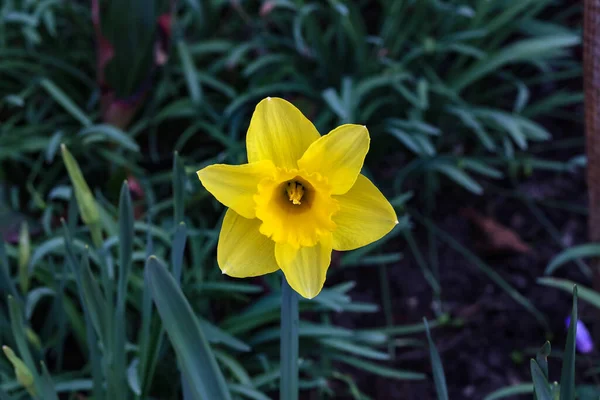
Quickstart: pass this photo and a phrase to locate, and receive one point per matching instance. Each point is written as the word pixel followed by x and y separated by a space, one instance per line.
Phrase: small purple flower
pixel 583 339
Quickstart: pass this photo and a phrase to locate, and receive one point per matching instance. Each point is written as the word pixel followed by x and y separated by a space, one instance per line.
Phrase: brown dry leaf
pixel 497 237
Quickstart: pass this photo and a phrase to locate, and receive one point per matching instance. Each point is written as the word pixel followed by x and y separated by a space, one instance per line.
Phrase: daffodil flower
pixel 300 196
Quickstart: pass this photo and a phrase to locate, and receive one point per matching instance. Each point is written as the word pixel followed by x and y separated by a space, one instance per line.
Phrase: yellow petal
pixel 242 250
pixel 235 185
pixel 338 156
pixel 365 216
pixel 279 132
pixel 305 268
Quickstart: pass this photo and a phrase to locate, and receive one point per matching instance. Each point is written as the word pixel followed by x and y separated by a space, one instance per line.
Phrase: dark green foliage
pixel 453 93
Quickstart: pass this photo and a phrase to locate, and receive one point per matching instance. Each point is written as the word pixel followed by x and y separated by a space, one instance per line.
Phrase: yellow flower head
pixel 300 196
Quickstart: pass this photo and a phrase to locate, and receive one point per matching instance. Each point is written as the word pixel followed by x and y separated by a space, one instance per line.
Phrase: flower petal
pixel 235 185
pixel 279 132
pixel 242 250
pixel 365 216
pixel 305 268
pixel 339 156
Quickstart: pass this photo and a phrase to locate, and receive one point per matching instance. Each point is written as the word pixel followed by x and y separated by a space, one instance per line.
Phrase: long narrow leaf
pixel 571 254
pixel 65 101
pixel 178 249
pixel 436 365
pixel 540 382
pixel 125 251
pixel 178 189
pixel 567 378
pixel 586 294
pixel 193 351
pixel 6 282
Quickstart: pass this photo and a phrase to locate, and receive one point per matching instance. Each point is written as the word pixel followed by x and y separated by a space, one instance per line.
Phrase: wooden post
pixel 591 82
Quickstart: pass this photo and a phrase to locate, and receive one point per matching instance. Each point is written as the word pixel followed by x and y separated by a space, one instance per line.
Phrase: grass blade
pixel 94 354
pixel 126 236
pixel 571 254
pixel 510 391
pixel 19 335
pixel 379 370
pixel 589 295
pixel 542 358
pixel 522 51
pixel 178 250
pixel 104 131
pixel 65 101
pixel 189 71
pixel 436 364
pixel 193 351
pixel 48 387
pixel 5 279
pixel 540 382
pixel 178 189
pixel 567 378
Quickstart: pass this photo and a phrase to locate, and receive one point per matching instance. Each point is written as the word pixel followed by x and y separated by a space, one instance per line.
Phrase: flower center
pixel 295 191
pixel 295 207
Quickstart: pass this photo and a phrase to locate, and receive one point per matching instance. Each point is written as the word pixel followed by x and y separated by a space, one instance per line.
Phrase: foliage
pixel 453 93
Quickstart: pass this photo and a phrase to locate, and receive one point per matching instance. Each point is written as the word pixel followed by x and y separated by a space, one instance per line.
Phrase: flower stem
pixel 288 389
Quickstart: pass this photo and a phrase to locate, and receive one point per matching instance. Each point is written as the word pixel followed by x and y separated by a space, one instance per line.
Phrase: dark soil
pixel 492 348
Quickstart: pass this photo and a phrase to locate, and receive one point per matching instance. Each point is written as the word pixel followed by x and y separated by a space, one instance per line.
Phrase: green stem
pixel 289 343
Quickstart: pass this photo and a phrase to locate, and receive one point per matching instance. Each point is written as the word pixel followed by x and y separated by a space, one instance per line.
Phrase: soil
pixel 492 348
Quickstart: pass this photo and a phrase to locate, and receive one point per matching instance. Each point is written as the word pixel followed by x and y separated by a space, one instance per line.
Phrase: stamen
pixel 295 191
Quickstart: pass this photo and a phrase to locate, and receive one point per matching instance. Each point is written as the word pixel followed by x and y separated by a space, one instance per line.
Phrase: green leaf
pixel 33 297
pixel 126 237
pixel 94 299
pixel 586 294
pixel 248 392
pixel 481 168
pixel 335 103
pixel 567 378
pixel 470 121
pixel 542 358
pixel 522 51
pixel 19 335
pixel 436 364
pixel 234 365
pixel 6 282
pixel 178 250
pixel 540 382
pixel 4 395
pixel 103 132
pixel 47 385
pixel 195 356
pixel 85 200
pixel 510 391
pixel 459 176
pixel 189 71
pixel 571 254
pixel 22 373
pixel 352 348
pixel 216 335
pixel 24 256
pixel 179 179
pixel 94 353
pixel 378 369
pixel 65 101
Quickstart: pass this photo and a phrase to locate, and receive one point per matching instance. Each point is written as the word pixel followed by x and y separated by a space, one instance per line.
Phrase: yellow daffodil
pixel 300 196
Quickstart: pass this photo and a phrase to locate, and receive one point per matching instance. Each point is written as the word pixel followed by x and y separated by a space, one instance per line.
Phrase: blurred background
pixel 475 111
